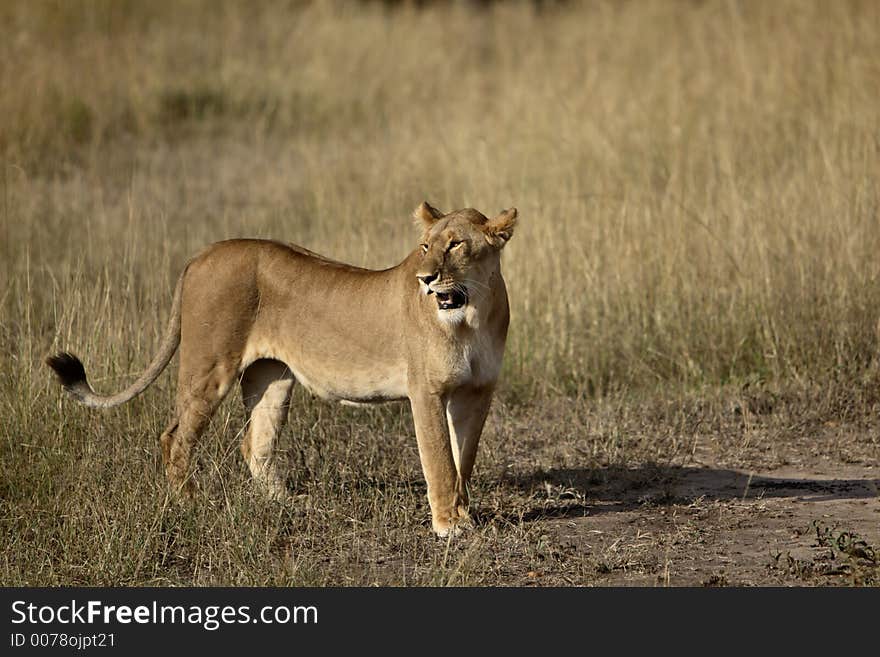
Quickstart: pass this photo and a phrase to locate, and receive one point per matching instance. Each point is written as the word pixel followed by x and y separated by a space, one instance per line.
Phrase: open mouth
pixel 451 299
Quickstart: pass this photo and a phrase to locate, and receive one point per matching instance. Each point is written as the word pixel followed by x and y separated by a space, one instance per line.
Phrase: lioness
pixel 266 314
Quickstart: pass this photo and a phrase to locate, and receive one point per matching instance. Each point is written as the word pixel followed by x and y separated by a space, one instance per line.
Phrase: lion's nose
pixel 427 279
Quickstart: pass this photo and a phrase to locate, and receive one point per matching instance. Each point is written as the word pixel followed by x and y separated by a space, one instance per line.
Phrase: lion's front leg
pixel 466 411
pixel 432 434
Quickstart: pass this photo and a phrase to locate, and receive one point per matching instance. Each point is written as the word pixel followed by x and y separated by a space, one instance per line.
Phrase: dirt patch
pixel 711 526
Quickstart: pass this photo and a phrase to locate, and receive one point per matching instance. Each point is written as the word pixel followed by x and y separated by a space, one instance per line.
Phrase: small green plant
pixel 844 545
pixel 844 553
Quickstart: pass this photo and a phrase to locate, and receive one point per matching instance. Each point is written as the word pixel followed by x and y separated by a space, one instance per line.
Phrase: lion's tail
pixel 72 375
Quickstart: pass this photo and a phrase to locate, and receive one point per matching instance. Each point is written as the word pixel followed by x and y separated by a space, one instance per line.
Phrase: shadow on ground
pixel 569 492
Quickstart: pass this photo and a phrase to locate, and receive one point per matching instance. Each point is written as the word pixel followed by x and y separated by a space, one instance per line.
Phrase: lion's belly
pixel 358 387
pixel 355 378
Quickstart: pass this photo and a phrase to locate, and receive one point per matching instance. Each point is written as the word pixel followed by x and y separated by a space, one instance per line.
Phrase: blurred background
pixel 697 181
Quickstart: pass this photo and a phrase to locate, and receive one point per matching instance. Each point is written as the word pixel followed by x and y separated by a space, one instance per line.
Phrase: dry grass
pixel 699 192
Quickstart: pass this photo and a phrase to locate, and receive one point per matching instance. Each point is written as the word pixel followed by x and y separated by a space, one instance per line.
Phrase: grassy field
pixel 695 270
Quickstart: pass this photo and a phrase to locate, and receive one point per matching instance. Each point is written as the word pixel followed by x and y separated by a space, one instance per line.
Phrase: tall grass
pixel 698 182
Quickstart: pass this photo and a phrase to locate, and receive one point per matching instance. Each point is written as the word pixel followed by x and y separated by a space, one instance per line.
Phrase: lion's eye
pixel 454 245
pixel 424 248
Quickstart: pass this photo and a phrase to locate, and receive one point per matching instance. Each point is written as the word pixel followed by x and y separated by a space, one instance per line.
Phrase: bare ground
pixel 764 494
pixel 714 526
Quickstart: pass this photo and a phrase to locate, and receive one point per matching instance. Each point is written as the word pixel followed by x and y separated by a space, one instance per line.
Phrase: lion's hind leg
pixel 266 386
pixel 196 403
pixel 194 411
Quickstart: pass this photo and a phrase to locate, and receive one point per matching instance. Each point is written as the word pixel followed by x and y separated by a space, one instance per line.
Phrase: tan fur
pixel 269 314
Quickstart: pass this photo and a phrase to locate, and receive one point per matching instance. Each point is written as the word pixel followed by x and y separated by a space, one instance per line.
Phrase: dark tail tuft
pixel 68 368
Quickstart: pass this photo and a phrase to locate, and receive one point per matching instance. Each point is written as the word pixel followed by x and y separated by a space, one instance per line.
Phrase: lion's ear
pixel 425 215
pixel 500 229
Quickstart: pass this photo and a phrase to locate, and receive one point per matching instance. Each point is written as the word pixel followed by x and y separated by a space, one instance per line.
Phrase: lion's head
pixel 460 254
